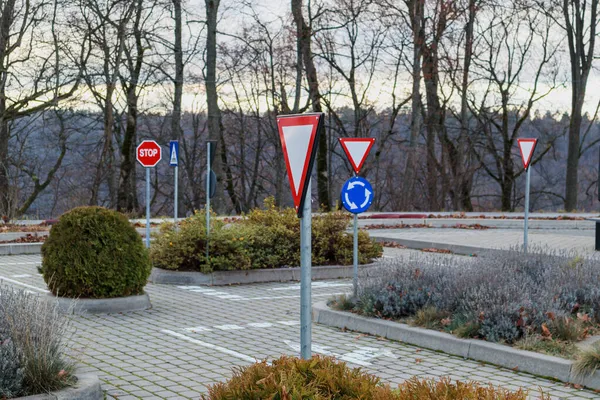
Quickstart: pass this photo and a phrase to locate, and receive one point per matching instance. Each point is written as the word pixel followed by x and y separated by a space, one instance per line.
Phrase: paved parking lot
pixel 193 336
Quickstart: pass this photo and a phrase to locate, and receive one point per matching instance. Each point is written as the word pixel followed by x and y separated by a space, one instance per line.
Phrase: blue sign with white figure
pixel 357 195
pixel 174 153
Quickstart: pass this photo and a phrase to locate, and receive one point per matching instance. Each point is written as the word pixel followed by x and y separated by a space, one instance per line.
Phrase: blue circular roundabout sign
pixel 357 195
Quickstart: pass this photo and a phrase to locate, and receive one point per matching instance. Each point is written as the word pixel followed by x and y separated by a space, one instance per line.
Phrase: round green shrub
pixel 93 252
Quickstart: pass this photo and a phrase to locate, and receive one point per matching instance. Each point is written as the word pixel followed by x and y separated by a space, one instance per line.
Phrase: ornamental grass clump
pixel 500 297
pixel 324 378
pixel 264 238
pixel 32 345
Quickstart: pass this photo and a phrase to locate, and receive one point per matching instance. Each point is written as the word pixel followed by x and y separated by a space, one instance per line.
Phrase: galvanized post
pixel 176 197
pixel 147 207
pixel 207 197
pixel 355 277
pixel 526 219
pixel 305 276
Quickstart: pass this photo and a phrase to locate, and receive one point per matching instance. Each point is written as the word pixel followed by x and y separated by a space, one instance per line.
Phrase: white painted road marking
pixel 361 356
pixel 229 327
pixel 296 296
pixel 315 285
pixel 260 324
pixel 289 323
pixel 211 346
pixel 21 276
pixel 197 329
pixel 3 278
pixel 233 327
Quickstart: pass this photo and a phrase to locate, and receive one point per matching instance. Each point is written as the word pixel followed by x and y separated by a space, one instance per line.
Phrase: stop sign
pixel 148 153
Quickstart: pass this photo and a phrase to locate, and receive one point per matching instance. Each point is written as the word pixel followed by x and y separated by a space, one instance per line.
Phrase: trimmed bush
pixel 500 298
pixel 93 252
pixel 324 378
pixel 32 345
pixel 267 238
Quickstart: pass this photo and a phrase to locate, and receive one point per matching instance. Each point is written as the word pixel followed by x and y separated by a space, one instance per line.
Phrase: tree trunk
pixel 305 36
pixel 6 206
pixel 416 19
pixel 215 124
pixel 178 84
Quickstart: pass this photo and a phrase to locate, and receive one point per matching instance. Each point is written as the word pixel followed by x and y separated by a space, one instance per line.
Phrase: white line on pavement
pixel 285 297
pixel 197 329
pixel 211 346
pixel 260 324
pixel 3 278
pixel 21 263
pixel 229 327
pixel 21 276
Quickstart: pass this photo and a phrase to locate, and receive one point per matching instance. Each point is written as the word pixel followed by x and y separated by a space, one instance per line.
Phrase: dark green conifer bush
pixel 93 252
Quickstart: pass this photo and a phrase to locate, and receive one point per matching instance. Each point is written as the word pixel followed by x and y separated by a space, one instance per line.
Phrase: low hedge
pixel 265 238
pixel 500 297
pixel 324 378
pixel 94 252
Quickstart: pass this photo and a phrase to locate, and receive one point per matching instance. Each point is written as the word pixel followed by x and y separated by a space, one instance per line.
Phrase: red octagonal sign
pixel 148 153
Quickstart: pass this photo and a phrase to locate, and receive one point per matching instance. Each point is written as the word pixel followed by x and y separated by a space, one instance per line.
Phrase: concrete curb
pixel 87 387
pixel 12 249
pixel 102 306
pixel 222 278
pixel 479 350
pixel 423 244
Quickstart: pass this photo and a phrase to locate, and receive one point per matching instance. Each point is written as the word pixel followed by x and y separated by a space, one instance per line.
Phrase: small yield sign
pixel 527 147
pixel 149 154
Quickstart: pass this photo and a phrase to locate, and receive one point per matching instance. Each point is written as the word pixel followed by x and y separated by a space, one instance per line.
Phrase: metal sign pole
pixel 207 196
pixel 355 278
pixel 355 257
pixel 305 272
pixel 176 197
pixel 526 224
pixel 147 207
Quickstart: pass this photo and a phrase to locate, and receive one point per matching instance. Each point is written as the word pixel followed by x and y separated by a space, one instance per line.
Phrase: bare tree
pixel 34 74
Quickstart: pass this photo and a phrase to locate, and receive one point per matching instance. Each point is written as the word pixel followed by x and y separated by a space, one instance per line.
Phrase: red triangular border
pixel 526 162
pixel 354 165
pixel 316 120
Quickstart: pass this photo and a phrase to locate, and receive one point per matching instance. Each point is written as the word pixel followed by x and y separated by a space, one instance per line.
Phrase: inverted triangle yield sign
pixel 527 147
pixel 357 150
pixel 299 138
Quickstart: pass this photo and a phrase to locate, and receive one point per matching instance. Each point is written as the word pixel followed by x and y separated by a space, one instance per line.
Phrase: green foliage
pixel 93 252
pixel 265 238
pixel 568 329
pixel 323 378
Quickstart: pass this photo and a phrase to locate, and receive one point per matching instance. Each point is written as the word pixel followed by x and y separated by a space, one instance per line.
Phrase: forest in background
pixel 446 88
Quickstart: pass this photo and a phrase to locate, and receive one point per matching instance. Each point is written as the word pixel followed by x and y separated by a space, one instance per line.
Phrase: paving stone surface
pixel 580 241
pixel 193 336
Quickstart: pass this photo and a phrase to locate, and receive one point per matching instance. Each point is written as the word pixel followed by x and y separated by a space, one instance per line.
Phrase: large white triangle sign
pixel 298 135
pixel 527 147
pixel 357 150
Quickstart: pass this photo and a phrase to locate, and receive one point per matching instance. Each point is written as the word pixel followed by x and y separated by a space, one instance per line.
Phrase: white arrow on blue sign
pixel 357 195
pixel 174 153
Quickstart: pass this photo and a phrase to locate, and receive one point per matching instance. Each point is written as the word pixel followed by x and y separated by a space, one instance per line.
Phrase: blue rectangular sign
pixel 174 153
